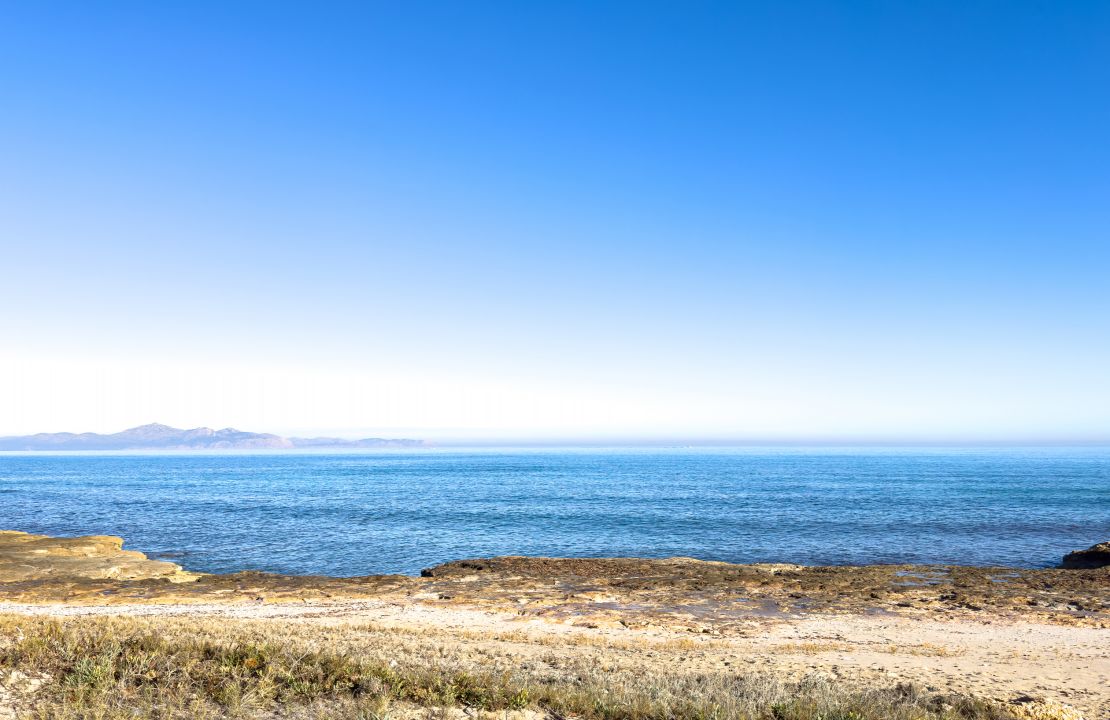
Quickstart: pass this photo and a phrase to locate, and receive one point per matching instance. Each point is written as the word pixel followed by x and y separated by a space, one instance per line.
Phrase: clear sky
pixel 507 220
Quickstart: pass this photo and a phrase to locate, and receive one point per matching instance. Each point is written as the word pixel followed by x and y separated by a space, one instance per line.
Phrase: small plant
pixel 95 673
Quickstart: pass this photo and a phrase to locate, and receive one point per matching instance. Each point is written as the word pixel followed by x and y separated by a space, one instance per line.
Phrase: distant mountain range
pixel 164 437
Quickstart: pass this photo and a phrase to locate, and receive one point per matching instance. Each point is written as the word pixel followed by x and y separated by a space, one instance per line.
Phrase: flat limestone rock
pixel 26 557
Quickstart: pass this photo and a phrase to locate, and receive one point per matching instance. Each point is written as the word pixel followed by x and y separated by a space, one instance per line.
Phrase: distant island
pixel 164 437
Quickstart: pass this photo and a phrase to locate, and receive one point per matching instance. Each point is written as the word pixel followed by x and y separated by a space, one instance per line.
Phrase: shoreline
pixel 1025 640
pixel 96 569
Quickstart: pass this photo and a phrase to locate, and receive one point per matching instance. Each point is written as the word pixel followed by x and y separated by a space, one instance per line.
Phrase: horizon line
pixel 492 438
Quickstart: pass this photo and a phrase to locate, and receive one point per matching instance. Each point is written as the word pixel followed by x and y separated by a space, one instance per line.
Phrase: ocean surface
pixel 398 512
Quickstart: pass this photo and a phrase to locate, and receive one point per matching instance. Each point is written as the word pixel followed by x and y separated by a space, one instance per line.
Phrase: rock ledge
pixel 1092 558
pixel 26 557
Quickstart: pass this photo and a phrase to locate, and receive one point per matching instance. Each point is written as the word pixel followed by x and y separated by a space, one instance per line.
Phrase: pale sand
pixel 999 659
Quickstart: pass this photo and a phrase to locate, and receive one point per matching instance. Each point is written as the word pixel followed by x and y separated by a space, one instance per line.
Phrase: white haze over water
pixel 59 393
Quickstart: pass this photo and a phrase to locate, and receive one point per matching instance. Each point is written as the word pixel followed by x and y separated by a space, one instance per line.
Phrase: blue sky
pixel 852 220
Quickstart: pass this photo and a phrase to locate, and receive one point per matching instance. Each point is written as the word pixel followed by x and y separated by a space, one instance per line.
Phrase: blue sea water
pixel 356 514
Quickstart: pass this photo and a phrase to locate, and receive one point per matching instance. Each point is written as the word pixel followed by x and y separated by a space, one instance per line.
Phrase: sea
pixel 404 510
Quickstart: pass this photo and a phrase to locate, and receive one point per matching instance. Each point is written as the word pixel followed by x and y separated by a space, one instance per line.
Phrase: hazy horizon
pixel 448 440
pixel 498 222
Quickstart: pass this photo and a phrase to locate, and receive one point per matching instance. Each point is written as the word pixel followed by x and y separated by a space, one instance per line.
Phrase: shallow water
pixel 402 511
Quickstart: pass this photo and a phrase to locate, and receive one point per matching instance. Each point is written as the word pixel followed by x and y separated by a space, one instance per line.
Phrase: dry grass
pixel 811 648
pixel 566 639
pixel 817 648
pixel 924 650
pixel 115 668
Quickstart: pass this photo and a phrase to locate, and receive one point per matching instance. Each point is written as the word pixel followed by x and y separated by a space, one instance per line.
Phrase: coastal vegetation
pixel 116 668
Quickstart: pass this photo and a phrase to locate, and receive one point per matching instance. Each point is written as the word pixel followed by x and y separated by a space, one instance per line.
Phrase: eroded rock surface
pixel 25 557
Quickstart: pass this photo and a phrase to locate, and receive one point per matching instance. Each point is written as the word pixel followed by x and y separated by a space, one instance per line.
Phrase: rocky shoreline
pixel 1034 642
pixel 627 591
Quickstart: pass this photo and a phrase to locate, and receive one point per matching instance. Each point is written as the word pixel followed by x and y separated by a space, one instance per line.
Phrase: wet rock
pixel 1093 557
